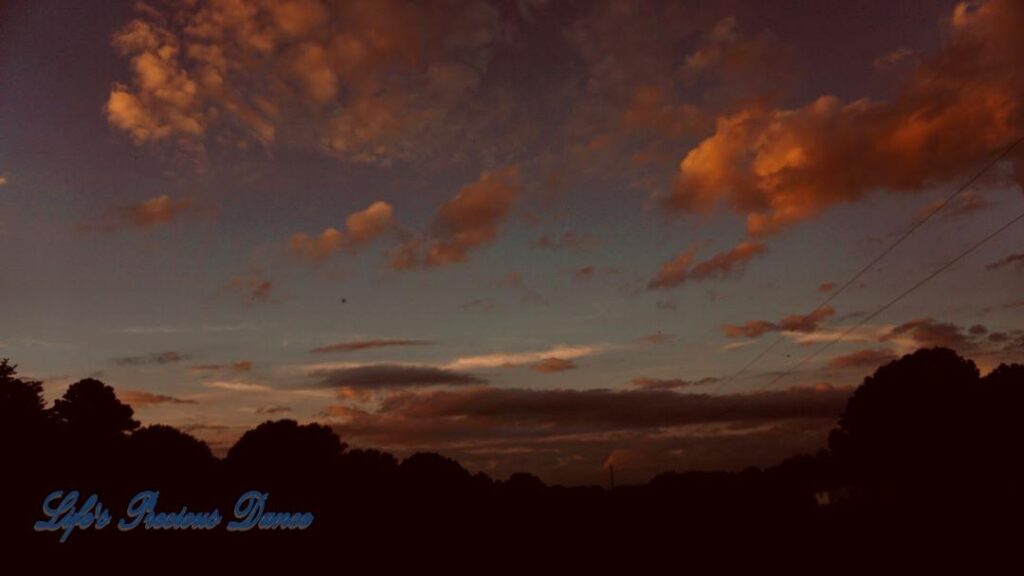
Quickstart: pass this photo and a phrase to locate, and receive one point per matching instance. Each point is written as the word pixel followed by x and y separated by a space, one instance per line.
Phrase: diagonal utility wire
pixel 728 408
pixel 899 297
pixel 903 237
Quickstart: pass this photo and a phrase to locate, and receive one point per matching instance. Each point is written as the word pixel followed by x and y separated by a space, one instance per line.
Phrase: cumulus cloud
pixel 140 399
pixel 367 345
pixel 378 376
pixel 656 73
pixel 169 357
pixel 361 228
pixel 164 98
pixel 470 220
pixel 722 265
pixel 366 81
pixel 779 167
pixel 794 323
pixel 553 365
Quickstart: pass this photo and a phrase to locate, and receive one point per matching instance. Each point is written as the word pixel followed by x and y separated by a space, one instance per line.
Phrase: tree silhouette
pixel 90 408
pixel 433 471
pixel 908 430
pixel 925 429
pixel 22 407
pixel 287 444
pixel 163 450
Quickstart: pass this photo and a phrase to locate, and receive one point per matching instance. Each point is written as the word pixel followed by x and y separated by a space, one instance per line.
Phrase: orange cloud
pixel 166 98
pixel 140 399
pixel 780 167
pixel 645 97
pixel 794 323
pixel 317 248
pixel 360 228
pixel 552 365
pixel 377 77
pixel 721 265
pixel 469 220
pixel 157 211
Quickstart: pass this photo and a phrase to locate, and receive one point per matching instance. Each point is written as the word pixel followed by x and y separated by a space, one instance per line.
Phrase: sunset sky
pixel 531 235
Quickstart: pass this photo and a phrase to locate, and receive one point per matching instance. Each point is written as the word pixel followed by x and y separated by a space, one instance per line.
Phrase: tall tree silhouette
pixel 22 407
pixel 163 450
pixel 909 430
pixel 287 444
pixel 90 408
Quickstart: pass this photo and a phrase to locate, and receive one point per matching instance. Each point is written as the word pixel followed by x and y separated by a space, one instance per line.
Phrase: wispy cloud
pixel 682 268
pixel 803 323
pixel 552 365
pixel 507 359
pixel 357 345
pixel 1017 259
pixel 235 386
pixel 158 211
pixel 169 357
pixel 870 358
pixel 141 399
pixel 393 376
pixel 645 383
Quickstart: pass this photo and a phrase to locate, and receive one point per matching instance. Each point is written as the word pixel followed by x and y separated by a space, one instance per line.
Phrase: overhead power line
pixel 729 408
pixel 899 297
pixel 899 240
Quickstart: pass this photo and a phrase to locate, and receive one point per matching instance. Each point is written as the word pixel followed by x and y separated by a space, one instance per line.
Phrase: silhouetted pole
pixel 611 475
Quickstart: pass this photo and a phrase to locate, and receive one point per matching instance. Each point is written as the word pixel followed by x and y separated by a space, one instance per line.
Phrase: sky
pixel 530 235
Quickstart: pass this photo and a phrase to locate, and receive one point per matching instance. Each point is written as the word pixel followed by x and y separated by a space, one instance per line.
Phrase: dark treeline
pixel 926 451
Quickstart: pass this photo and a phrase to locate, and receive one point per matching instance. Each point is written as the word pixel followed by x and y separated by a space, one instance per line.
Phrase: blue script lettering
pixel 65 516
pixel 250 512
pixel 142 509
